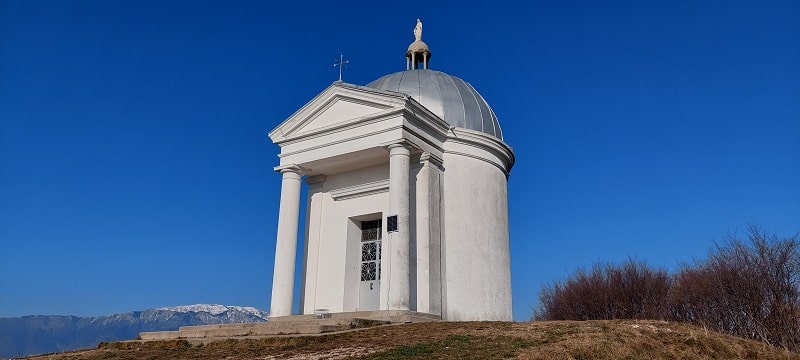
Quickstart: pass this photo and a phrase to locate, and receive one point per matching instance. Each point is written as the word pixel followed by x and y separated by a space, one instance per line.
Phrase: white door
pixel 370 288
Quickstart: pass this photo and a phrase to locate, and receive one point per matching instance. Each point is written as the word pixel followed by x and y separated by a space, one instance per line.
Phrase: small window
pixel 371 250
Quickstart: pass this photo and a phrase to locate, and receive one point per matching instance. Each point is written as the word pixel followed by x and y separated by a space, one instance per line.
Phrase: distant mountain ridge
pixel 38 334
pixel 217 309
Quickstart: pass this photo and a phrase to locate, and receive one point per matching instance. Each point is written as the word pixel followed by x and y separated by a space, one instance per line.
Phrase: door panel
pixel 369 290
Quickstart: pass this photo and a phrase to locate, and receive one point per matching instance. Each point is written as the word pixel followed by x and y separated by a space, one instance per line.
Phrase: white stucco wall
pixel 477 284
pixel 332 260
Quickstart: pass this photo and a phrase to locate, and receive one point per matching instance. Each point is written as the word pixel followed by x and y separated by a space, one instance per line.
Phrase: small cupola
pixel 418 52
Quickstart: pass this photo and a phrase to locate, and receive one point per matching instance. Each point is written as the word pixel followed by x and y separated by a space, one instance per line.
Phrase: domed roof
pixel 418 47
pixel 452 99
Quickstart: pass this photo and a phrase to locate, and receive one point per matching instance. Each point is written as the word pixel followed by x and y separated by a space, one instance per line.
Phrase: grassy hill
pixel 616 339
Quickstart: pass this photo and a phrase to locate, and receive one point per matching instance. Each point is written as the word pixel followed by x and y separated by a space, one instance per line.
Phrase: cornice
pixel 343 140
pixel 483 141
pixel 359 190
pixel 342 126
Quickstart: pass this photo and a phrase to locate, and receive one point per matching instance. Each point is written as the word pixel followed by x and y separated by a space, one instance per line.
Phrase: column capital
pixel 430 159
pixel 398 144
pixel 290 168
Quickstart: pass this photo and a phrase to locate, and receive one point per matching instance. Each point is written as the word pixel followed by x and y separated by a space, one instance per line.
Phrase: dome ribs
pixel 452 99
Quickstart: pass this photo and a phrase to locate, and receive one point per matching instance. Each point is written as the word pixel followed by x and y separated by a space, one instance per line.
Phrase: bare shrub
pixel 749 289
pixel 628 291
pixel 746 288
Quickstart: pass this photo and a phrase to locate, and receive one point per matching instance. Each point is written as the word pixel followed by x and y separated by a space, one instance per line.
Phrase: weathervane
pixel 341 63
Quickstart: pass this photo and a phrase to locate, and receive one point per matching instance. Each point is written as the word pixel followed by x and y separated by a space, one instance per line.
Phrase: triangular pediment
pixel 339 109
pixel 338 105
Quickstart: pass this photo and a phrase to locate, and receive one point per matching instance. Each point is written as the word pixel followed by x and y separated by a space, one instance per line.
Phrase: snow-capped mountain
pixel 39 334
pixel 218 309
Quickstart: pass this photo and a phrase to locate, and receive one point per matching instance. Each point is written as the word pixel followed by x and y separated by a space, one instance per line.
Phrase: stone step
pixel 259 329
pixel 312 321
pixel 159 335
pixel 288 325
pixel 380 315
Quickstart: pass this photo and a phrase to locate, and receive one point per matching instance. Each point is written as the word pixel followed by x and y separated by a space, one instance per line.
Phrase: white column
pixel 395 295
pixel 286 245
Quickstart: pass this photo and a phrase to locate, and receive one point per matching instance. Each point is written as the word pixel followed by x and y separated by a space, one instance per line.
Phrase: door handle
pixel 370 286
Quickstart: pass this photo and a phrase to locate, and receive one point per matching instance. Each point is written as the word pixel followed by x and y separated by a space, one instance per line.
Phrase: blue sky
pixel 135 170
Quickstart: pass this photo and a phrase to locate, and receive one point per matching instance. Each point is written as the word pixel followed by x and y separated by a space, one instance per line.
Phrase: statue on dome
pixel 418 30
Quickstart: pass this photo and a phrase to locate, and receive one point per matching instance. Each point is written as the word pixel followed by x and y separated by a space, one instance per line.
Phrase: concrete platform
pixel 292 325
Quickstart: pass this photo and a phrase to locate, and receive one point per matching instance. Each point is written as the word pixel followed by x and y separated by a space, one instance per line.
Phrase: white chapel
pixel 407 202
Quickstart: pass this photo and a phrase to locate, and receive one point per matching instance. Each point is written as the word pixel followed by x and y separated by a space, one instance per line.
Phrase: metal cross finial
pixel 341 63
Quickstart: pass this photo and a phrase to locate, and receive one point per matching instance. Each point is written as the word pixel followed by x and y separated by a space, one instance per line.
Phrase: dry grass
pixel 616 339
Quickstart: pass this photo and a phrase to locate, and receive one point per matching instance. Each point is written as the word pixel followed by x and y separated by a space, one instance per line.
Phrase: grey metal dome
pixel 452 99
